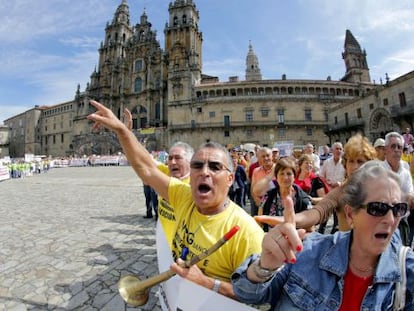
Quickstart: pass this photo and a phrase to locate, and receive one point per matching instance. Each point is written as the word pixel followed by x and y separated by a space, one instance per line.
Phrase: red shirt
pixel 355 288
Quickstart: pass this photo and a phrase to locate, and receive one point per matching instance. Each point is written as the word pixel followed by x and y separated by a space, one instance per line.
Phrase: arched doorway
pixel 380 123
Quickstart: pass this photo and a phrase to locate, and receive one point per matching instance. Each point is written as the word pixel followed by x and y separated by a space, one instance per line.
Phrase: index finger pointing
pixel 289 210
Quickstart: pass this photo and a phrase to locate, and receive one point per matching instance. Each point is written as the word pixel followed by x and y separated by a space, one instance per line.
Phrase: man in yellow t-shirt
pixel 201 208
pixel 198 232
pixel 178 166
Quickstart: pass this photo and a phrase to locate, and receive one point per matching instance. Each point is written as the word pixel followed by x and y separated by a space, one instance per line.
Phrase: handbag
pixel 400 287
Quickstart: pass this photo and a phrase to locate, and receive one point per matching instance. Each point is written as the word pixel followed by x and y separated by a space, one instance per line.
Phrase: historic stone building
pixel 387 107
pixel 24 133
pixel 171 99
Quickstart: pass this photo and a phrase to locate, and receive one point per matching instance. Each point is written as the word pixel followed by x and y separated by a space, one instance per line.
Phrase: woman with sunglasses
pixel 352 270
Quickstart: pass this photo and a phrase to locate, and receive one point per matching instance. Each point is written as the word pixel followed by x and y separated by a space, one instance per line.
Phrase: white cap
pixel 379 143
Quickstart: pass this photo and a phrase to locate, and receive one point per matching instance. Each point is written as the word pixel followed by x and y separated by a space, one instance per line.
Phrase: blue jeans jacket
pixel 316 281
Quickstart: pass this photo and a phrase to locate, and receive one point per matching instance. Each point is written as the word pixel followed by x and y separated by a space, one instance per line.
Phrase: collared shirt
pixel 316 280
pixel 333 172
pixel 405 177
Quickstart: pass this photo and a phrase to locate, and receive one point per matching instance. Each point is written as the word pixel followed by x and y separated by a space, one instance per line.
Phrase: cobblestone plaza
pixel 68 235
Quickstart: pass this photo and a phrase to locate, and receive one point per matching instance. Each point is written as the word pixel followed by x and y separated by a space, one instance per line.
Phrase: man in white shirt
pixel 394 144
pixel 333 170
pixel 308 149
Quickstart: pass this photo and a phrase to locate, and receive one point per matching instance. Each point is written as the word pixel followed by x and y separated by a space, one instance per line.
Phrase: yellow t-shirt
pixel 166 211
pixel 199 232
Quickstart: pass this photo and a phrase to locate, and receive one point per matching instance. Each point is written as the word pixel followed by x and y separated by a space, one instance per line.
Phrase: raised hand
pixel 283 241
pixel 104 117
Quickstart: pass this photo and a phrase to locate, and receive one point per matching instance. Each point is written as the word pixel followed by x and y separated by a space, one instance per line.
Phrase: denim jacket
pixel 316 281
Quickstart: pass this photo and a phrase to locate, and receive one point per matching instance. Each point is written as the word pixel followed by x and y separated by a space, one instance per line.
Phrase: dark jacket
pixel 273 204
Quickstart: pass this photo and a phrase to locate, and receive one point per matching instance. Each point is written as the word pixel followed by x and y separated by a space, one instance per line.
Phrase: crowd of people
pixel 290 266
pixel 282 255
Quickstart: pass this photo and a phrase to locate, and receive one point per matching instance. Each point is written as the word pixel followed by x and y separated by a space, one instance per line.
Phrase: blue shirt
pixel 316 281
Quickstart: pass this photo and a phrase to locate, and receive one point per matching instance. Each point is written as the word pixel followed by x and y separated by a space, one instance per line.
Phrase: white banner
pixel 180 294
pixel 4 172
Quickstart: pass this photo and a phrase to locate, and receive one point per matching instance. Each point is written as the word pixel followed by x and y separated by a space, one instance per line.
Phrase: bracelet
pixel 216 285
pixel 262 273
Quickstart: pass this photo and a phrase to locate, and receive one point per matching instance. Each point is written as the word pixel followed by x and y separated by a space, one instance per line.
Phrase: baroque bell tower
pixel 108 83
pixel 252 65
pixel 183 48
pixel 355 58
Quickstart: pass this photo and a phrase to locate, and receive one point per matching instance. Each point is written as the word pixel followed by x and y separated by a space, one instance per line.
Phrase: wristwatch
pixel 216 285
pixel 261 272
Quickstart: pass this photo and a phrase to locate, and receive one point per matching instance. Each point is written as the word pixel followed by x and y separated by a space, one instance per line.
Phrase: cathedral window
pixel 281 115
pixel 308 114
pixel 184 19
pixel 212 114
pixel 265 112
pixel 175 21
pixel 402 99
pixel 309 131
pixel 158 111
pixel 227 121
pixel 138 65
pixel 138 85
pixel 142 109
pixel 249 116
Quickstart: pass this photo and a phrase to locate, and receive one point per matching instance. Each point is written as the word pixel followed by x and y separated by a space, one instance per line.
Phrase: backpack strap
pixel 400 287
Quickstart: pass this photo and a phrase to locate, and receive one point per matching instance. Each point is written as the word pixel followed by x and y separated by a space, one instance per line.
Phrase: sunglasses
pixel 381 209
pixel 213 166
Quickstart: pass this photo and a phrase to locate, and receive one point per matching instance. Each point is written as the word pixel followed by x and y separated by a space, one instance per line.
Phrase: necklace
pixel 362 270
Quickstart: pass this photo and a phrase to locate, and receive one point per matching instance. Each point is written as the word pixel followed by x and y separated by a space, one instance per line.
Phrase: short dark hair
pixel 285 163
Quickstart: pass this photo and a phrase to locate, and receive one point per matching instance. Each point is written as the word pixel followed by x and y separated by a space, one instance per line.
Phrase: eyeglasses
pixel 396 146
pixel 213 166
pixel 381 209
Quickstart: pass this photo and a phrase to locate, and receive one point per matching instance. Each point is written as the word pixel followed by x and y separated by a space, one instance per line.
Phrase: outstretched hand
pixel 104 117
pixel 282 242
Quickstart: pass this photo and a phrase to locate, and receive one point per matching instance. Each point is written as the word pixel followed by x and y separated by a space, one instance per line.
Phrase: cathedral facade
pixel 172 100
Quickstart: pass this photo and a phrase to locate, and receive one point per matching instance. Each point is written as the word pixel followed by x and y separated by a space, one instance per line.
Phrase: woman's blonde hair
pixel 356 146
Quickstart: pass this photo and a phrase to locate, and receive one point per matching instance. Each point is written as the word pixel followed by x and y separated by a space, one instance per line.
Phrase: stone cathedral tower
pixel 252 66
pixel 355 58
pixel 183 48
pixel 130 74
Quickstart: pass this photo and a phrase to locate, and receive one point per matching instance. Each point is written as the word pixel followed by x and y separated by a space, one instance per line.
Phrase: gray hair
pixel 355 191
pixel 188 150
pixel 393 134
pixel 337 144
pixel 217 146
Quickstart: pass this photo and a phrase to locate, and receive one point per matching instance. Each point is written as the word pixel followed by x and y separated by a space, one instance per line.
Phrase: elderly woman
pixel 272 204
pixel 353 270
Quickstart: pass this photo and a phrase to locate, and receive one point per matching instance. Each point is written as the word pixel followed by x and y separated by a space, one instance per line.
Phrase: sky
pixel 48 47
